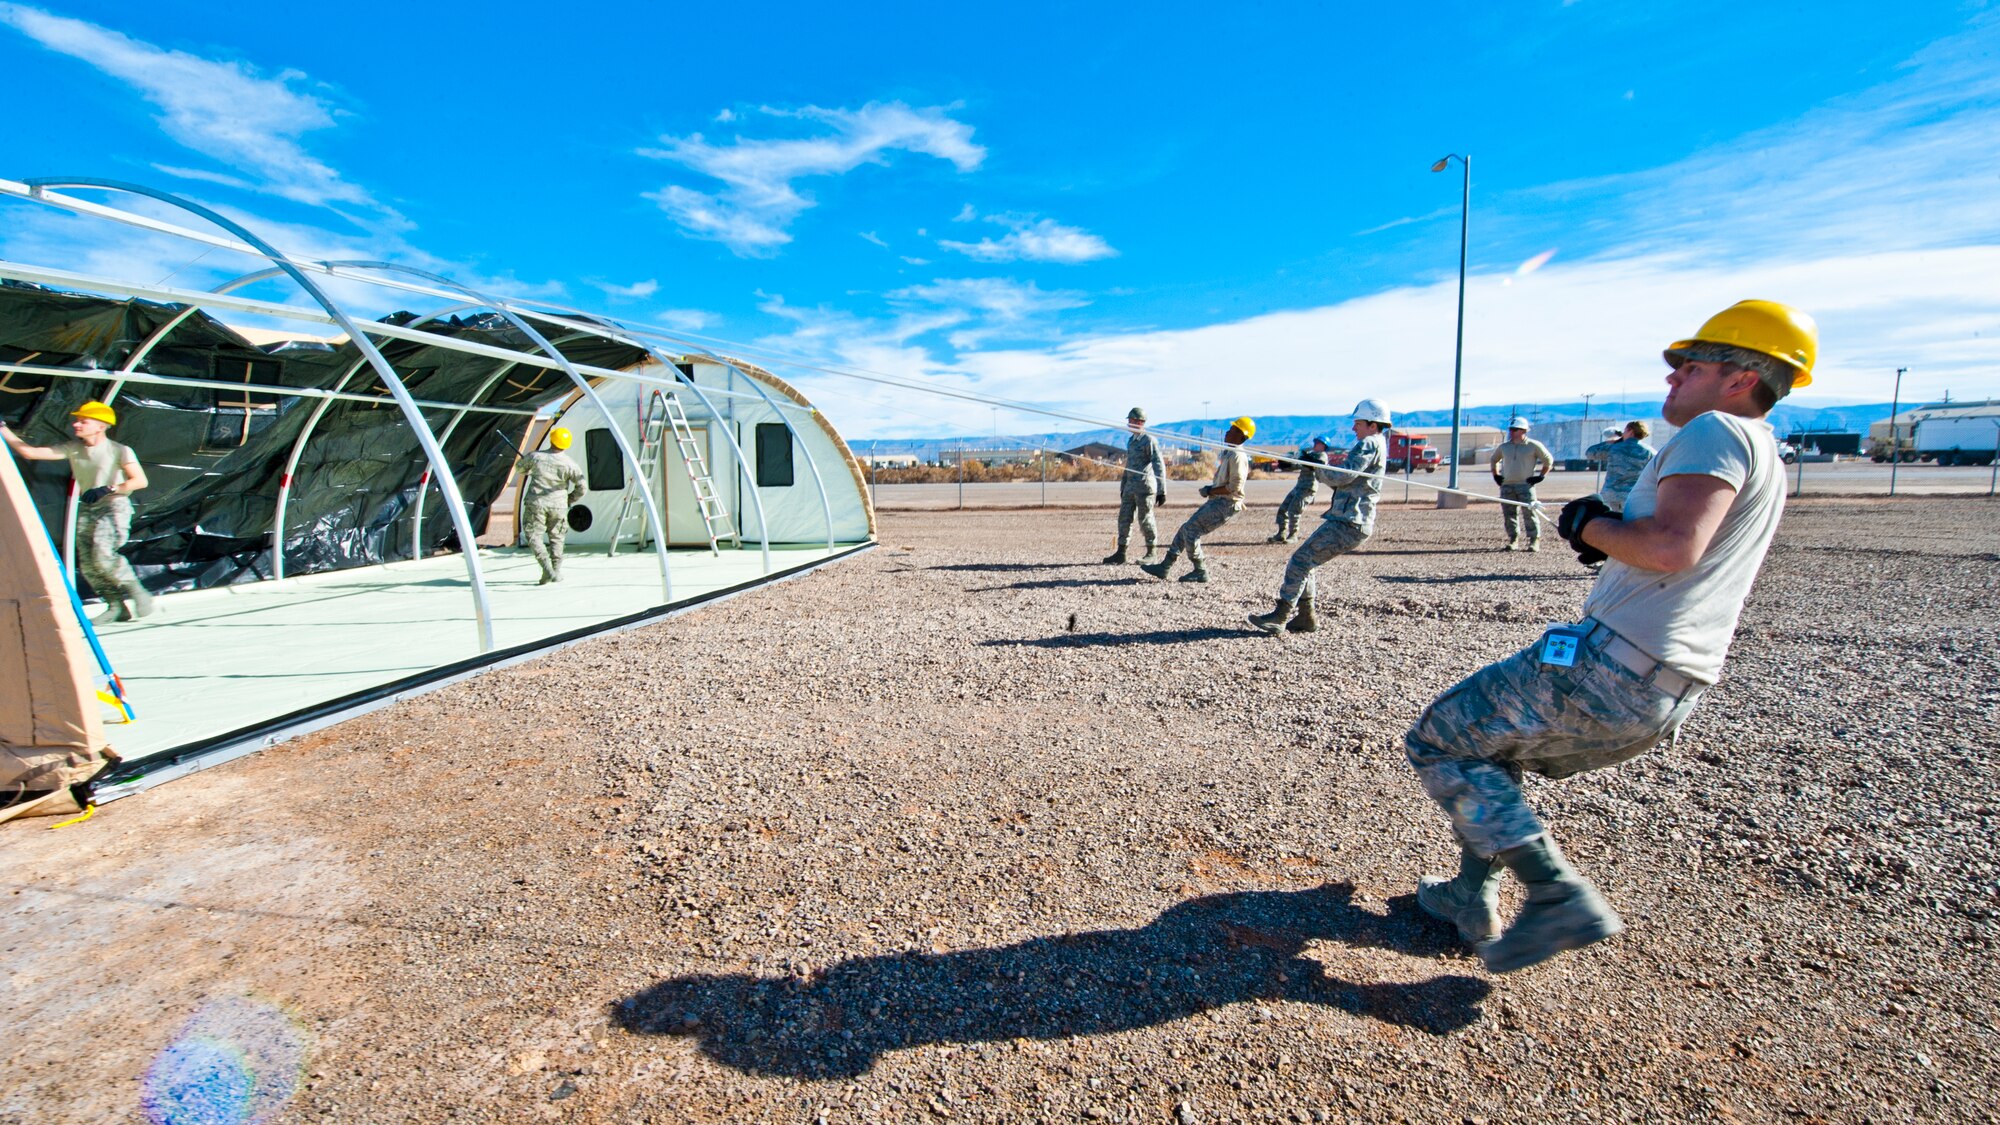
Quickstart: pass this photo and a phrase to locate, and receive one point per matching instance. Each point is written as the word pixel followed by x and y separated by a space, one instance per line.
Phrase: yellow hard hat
pixel 1248 427
pixel 1765 327
pixel 98 411
pixel 560 438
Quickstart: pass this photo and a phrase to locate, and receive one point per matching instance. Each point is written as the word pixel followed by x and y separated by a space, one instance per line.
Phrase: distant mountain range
pixel 1296 429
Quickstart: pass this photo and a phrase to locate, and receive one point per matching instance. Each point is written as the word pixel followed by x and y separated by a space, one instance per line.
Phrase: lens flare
pixel 1534 263
pixel 236 1062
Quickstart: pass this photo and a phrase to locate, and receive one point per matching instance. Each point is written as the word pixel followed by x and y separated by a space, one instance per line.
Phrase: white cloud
pixel 225 110
pixel 1034 240
pixel 965 214
pixel 1406 221
pixel 1594 327
pixel 687 320
pixel 758 201
pixel 637 291
pixel 871 236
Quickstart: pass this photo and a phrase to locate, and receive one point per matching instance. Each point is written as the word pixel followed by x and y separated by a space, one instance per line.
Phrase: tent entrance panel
pixel 685 526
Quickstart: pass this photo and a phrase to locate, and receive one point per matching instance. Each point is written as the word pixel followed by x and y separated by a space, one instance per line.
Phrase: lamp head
pixel 1443 163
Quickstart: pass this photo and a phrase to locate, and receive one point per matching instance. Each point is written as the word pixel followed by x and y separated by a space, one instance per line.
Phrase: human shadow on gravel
pixel 1099 640
pixel 1011 566
pixel 1055 584
pixel 1200 955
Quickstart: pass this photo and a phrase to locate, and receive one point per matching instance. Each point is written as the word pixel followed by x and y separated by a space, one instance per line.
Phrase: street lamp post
pixel 1895 441
pixel 1458 361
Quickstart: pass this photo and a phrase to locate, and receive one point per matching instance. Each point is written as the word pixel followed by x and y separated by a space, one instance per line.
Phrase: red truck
pixel 1411 451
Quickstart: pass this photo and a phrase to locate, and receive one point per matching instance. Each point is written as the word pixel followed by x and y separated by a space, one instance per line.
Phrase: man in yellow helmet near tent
pixel 1652 638
pixel 107 474
pixel 550 483
pixel 1223 499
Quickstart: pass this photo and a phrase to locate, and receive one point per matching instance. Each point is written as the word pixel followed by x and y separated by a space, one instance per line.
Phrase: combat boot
pixel 1512 545
pixel 1563 911
pixel 114 612
pixel 140 601
pixel 1303 621
pixel 1116 557
pixel 1471 901
pixel 1198 574
pixel 1160 569
pixel 1269 622
pixel 1278 538
pixel 1148 554
pixel 1534 544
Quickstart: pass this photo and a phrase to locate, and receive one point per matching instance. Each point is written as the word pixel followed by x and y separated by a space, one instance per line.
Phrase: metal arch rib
pixel 131 364
pixel 451 427
pixel 299 448
pixel 482 603
pixel 825 504
pixel 624 447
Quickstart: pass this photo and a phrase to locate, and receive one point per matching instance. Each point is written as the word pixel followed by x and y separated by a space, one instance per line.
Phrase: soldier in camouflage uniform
pixel 1348 522
pixel 1143 485
pixel 1519 464
pixel 1624 459
pixel 550 483
pixel 1223 498
pixel 1293 507
pixel 1655 630
pixel 106 474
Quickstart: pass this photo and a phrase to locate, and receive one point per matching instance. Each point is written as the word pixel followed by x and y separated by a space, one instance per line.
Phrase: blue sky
pixel 1085 209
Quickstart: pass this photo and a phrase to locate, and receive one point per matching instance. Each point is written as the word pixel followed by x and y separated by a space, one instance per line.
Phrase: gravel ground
pixel 972 828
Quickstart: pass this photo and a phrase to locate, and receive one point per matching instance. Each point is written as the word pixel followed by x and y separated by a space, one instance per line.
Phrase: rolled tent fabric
pixel 51 732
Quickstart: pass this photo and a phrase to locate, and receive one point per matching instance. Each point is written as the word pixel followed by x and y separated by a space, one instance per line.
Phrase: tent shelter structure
pixel 323 497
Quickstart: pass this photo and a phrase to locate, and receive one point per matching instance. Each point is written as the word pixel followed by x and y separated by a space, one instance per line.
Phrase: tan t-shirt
pixel 1517 461
pixel 96 466
pixel 1686 618
pixel 1232 465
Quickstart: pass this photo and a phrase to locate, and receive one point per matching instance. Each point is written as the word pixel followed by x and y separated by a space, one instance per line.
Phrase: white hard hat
pixel 1371 410
pixel 1518 423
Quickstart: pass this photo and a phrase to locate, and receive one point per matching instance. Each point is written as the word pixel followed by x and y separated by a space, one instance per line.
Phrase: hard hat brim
pixel 1800 376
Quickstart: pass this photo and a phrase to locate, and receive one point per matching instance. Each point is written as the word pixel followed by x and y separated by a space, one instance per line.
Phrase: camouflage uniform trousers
pixel 546 523
pixel 101 529
pixel 1513 517
pixel 1293 507
pixel 1139 504
pixel 1472 745
pixel 1213 513
pixel 1333 539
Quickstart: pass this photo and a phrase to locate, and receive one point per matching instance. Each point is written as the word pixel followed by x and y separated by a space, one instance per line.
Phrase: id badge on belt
pixel 1561 643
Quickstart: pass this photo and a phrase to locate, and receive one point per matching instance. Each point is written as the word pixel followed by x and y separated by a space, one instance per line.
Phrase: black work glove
pixel 1537 479
pixel 1576 515
pixel 93 495
pixel 1160 497
pixel 1205 490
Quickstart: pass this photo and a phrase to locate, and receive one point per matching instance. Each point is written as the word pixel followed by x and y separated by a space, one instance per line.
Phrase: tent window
pixel 240 415
pixel 601 462
pixel 774 455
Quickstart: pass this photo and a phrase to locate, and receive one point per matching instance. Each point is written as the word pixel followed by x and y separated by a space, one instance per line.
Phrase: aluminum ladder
pixel 713 514
pixel 631 507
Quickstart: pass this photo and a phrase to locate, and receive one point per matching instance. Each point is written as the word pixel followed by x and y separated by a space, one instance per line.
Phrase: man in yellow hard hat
pixel 107 473
pixel 1224 498
pixel 1653 635
pixel 550 483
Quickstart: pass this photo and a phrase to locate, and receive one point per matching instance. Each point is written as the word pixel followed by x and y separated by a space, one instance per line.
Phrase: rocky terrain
pixel 972 828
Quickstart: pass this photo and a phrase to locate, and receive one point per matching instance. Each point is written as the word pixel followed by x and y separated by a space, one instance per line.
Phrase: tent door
pixel 684 523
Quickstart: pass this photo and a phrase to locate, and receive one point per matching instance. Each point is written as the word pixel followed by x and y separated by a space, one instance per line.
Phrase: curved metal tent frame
pixel 576 377
pixel 412 414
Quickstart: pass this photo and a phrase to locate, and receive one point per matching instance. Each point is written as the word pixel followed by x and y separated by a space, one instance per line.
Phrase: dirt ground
pixel 974 828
